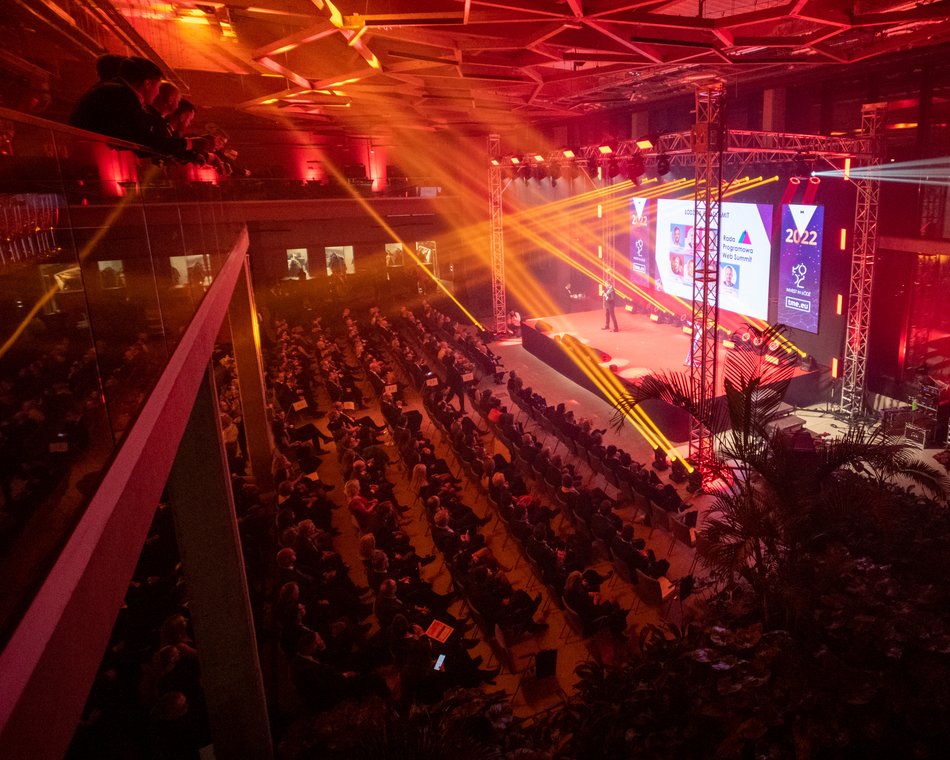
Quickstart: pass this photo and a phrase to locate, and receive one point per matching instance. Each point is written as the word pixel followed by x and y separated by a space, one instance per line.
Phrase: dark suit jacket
pixel 114 109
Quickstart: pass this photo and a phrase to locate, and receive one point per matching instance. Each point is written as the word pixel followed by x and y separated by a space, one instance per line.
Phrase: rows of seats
pixel 590 510
pixel 562 560
pixel 502 612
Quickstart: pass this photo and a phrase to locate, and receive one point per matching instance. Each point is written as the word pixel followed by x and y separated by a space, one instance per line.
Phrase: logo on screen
pixel 798 272
pixel 744 238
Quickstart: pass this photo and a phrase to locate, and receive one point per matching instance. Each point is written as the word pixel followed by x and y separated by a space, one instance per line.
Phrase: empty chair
pixel 659 518
pixel 682 532
pixel 654 591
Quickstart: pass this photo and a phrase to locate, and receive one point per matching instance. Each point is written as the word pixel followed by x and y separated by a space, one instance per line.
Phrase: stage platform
pixel 640 348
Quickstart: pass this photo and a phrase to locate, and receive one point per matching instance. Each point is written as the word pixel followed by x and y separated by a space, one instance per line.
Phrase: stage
pixel 640 348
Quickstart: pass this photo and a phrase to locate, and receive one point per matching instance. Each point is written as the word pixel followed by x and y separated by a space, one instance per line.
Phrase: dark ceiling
pixel 371 66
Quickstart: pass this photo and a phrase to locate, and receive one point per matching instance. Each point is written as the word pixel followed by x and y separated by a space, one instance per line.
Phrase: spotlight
pixel 573 171
pixel 605 150
pixel 635 168
pixel 613 168
pixel 662 166
pixel 647 142
pixel 554 170
pixel 525 172
pixel 515 160
pixel 540 172
pixel 568 153
pixel 659 459
pixel 803 166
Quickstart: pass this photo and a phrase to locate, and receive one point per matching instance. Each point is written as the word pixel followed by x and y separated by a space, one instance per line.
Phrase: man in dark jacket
pixel 117 109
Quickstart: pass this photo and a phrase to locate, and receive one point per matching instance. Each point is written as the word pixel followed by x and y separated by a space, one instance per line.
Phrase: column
pixel 199 490
pixel 245 337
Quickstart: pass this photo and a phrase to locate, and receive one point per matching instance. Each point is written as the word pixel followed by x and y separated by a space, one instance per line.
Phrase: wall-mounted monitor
pixel 394 255
pixel 298 264
pixel 339 259
pixel 425 250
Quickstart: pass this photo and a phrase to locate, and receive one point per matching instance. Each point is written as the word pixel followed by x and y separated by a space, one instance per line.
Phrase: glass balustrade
pixel 104 257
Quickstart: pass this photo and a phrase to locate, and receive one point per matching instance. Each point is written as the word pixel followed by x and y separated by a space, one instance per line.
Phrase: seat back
pixel 648 589
pixel 623 570
pixel 660 517
pixel 682 532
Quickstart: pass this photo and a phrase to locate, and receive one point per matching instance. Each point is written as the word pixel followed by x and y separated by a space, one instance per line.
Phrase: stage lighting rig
pixel 662 166
pixel 803 166
pixel 635 169
pixel 612 168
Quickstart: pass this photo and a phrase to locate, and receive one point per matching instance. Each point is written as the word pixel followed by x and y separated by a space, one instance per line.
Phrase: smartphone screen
pixel 440 661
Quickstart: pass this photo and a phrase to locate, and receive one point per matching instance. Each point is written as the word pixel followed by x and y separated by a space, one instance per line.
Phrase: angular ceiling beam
pixel 312 33
pixel 356 21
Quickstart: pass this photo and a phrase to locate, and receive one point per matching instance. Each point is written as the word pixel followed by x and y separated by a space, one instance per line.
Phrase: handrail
pixel 56 126
pixel 50 662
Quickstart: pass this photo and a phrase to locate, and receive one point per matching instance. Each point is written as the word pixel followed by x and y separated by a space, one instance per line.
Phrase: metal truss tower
pixel 607 215
pixel 499 303
pixel 708 143
pixel 862 269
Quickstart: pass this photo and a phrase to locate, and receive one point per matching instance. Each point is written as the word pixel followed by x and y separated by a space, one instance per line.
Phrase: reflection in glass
pixel 190 270
pixel 111 274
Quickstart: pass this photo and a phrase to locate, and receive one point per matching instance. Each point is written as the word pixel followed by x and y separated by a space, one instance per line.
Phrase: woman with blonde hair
pixel 420 478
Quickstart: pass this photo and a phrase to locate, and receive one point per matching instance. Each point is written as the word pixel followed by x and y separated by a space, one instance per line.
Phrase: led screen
pixel 799 283
pixel 641 240
pixel 745 251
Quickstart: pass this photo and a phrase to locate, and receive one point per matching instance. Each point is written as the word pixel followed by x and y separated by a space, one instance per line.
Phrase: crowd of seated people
pixel 406 605
pixel 618 466
pixel 555 554
pixel 323 615
pixel 147 699
pixel 591 509
pixel 455 525
pixel 131 101
pixel 50 401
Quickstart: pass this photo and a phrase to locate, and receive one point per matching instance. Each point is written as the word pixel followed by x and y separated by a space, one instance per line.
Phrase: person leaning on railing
pixel 117 108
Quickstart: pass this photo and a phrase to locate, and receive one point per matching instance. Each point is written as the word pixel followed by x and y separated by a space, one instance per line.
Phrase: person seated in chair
pixel 595 614
pixel 629 550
